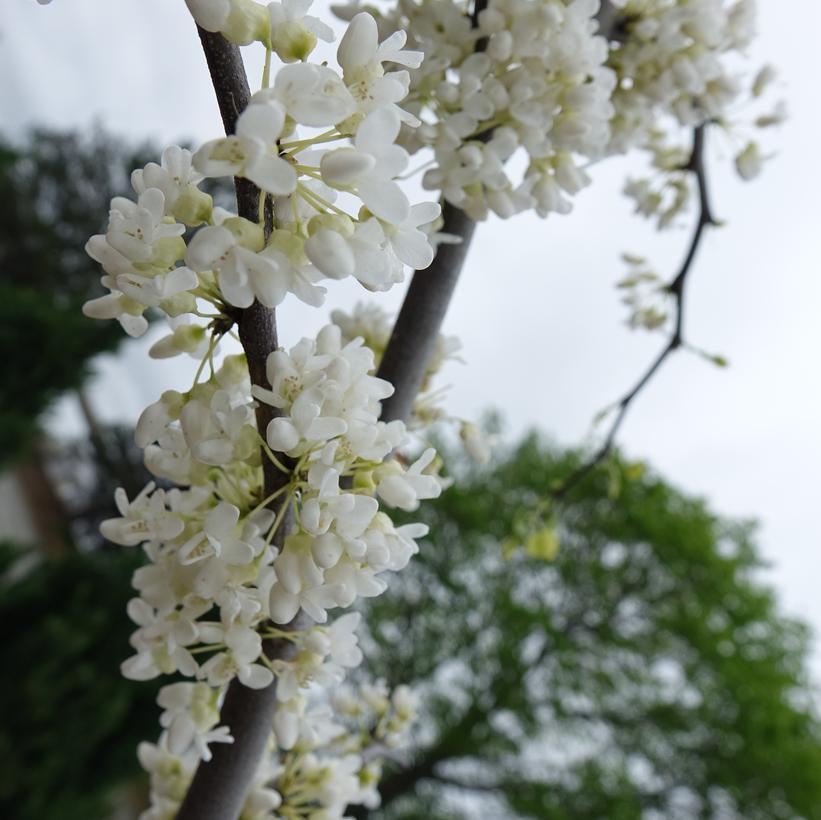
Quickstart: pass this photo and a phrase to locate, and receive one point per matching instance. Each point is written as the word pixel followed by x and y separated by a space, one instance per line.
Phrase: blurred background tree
pixel 644 673
pixel 54 190
pixel 70 721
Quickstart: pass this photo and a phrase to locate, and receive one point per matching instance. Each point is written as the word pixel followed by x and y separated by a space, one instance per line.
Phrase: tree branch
pixel 420 319
pixel 220 786
pixel 676 289
pixel 417 326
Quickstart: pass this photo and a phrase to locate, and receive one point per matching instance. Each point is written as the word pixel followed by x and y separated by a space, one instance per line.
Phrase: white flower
pixel 134 228
pixel 405 488
pixel 143 519
pixel 305 427
pixel 371 165
pixel 220 432
pixel 218 538
pixel 244 274
pixel 244 648
pixel 360 53
pixel 293 33
pixel 412 246
pixel 160 641
pixel 189 715
pixel 313 95
pixel 118 306
pixel 152 291
pixel 361 57
pixel 251 153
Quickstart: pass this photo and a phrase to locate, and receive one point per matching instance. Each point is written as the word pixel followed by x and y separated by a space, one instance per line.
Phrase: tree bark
pixel 220 786
pixel 417 326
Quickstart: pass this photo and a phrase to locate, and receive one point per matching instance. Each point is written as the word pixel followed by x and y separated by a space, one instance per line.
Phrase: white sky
pixel 537 312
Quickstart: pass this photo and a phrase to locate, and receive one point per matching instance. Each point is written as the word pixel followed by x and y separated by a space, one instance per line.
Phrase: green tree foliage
pixel 69 722
pixel 644 673
pixel 54 193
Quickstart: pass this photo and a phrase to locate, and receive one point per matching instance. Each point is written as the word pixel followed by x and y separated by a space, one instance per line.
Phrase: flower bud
pixel 248 234
pixel 330 253
pixel 326 550
pixel 293 41
pixel 185 339
pixel 193 206
pixel 247 21
pixel 344 166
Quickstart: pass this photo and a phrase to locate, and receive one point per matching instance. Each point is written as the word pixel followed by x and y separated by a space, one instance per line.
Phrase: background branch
pixel 676 289
pixel 417 326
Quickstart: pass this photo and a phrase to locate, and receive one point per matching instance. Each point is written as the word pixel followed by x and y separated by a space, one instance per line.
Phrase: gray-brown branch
pixel 220 786
pixel 417 326
pixel 676 289
pixel 423 310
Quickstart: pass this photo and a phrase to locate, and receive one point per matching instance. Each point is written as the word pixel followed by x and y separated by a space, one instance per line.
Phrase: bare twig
pixel 220 786
pixel 676 289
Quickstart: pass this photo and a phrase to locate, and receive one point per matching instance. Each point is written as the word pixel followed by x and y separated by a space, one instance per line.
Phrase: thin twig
pixel 676 288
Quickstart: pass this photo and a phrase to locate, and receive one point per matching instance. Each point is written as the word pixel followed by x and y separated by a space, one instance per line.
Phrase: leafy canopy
pixel 643 673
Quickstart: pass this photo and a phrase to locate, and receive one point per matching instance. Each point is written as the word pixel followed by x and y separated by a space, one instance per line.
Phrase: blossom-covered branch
pixel 278 466
pixel 220 785
pixel 281 471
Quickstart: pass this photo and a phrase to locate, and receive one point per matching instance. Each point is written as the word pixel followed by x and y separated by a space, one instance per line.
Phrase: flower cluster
pixel 645 294
pixel 527 74
pixel 670 61
pixel 149 256
pixel 240 579
pixel 329 426
pixel 373 324
pixel 321 759
pixel 217 586
pixel 679 64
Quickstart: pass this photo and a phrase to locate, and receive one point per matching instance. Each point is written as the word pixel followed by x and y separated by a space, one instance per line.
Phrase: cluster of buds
pixel 525 75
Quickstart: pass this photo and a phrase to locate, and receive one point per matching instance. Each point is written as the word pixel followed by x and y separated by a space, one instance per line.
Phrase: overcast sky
pixel 539 318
